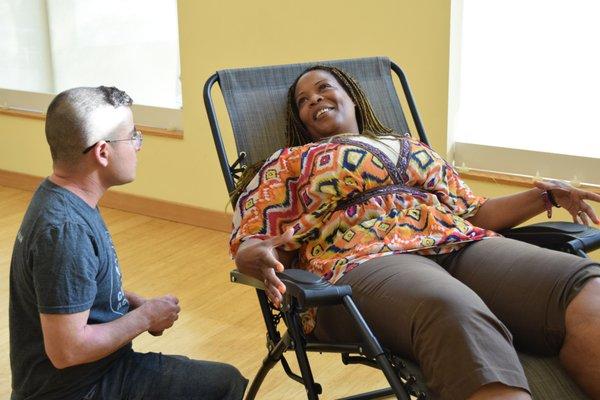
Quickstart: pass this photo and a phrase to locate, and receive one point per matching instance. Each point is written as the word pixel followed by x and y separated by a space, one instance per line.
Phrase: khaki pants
pixel 457 314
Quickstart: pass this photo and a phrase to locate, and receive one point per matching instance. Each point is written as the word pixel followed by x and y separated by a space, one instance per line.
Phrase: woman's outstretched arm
pixel 509 211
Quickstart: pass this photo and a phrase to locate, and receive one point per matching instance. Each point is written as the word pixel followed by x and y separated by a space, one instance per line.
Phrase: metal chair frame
pixel 301 289
pixel 402 382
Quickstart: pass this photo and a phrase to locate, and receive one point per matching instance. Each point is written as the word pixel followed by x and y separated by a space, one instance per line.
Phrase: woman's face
pixel 324 107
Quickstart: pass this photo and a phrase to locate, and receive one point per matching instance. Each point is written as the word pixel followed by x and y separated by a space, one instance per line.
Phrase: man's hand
pixel 259 258
pixel 162 312
pixel 134 300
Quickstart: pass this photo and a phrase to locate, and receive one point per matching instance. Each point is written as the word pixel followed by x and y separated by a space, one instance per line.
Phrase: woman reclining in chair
pixel 361 205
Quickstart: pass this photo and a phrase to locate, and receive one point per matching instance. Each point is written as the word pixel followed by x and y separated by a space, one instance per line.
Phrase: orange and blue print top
pixel 349 201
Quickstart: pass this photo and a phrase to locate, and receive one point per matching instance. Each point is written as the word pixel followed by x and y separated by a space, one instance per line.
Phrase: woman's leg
pixel 418 310
pixel 549 300
pixel 499 391
pixel 580 353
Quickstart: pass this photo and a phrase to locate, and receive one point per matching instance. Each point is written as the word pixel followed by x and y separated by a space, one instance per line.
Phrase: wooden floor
pixel 219 320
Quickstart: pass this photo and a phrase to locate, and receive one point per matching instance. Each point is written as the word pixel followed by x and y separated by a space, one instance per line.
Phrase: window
pixel 52 45
pixel 525 87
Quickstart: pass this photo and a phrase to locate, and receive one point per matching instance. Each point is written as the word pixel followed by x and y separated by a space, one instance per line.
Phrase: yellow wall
pixel 224 34
pixel 216 34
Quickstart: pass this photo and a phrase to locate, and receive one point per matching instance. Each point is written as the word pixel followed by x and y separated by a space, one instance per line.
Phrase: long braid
pixel 296 134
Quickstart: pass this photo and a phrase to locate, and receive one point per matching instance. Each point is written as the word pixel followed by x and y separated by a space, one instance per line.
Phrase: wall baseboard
pixel 177 212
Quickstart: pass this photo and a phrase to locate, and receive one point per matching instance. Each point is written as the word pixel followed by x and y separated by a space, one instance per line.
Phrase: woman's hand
pixel 572 200
pixel 259 258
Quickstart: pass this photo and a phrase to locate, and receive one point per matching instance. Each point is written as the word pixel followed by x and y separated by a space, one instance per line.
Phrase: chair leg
pixel 272 358
pixel 312 389
pixel 374 349
pixel 275 343
pixel 266 366
pixel 375 394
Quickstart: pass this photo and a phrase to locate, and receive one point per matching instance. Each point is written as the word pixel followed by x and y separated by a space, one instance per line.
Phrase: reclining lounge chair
pixel 256 102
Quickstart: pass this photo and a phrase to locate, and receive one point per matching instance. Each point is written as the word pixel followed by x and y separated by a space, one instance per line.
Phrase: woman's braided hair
pixel 296 133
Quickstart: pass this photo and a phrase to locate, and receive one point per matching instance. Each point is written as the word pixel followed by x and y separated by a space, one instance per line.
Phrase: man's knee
pixel 182 377
pixel 228 373
pixel 224 381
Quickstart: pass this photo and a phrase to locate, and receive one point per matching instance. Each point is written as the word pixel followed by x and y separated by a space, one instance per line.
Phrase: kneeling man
pixel 71 322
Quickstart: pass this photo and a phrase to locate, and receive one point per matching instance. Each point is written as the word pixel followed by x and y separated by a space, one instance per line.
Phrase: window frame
pixel 481 159
pixel 153 121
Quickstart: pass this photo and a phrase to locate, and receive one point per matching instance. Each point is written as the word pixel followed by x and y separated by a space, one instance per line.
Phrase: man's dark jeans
pixel 156 376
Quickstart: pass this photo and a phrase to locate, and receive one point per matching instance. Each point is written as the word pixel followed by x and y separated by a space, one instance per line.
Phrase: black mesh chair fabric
pixel 256 100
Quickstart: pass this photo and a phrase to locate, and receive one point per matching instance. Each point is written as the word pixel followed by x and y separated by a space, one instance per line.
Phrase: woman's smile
pixel 324 107
pixel 322 112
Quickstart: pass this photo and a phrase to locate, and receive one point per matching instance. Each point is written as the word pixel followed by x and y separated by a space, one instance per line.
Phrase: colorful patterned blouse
pixel 349 202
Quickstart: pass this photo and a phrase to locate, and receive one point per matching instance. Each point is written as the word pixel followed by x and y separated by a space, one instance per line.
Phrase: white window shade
pixel 26 62
pixel 59 44
pixel 527 78
pixel 131 44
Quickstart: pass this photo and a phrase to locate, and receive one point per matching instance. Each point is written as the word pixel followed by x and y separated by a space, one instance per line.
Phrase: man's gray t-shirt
pixel 63 262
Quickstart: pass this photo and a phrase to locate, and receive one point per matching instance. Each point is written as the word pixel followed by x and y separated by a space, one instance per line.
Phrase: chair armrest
pixel 308 289
pixel 562 236
pixel 311 290
pixel 237 277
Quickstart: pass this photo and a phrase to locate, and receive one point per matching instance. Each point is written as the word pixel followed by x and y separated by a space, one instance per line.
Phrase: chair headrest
pixel 256 100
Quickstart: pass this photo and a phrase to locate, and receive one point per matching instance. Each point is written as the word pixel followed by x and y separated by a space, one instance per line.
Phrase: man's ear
pixel 101 153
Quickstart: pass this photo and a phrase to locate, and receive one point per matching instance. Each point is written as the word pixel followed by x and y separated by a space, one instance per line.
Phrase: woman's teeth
pixel 321 112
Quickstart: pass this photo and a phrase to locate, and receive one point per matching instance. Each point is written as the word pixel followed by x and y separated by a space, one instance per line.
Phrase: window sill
pixel 512 179
pixel 146 130
pixel 515 162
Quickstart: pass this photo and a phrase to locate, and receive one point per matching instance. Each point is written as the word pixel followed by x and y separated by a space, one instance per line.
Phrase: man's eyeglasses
pixel 136 139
